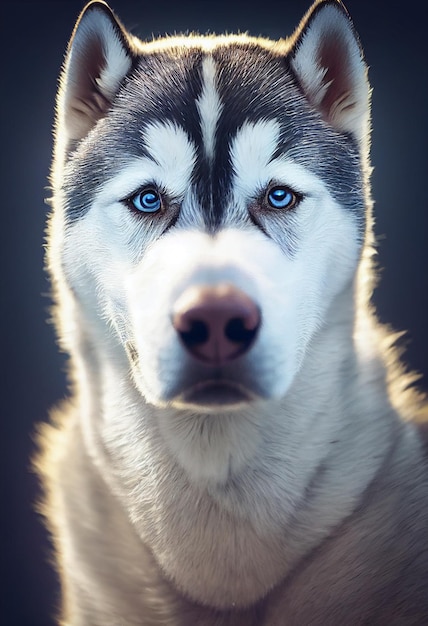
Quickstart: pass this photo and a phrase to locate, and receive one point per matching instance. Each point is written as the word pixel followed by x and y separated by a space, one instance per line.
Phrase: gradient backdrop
pixel 33 40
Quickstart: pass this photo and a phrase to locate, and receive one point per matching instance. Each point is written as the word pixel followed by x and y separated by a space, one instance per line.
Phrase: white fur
pixel 209 106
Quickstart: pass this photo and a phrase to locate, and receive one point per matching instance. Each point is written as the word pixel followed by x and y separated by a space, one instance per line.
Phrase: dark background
pixel 33 40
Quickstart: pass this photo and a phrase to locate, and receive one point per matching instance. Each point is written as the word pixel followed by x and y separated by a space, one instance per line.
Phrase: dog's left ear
pixel 328 62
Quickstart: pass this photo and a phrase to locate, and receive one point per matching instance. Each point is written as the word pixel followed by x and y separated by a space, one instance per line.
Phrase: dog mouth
pixel 212 394
pixel 206 389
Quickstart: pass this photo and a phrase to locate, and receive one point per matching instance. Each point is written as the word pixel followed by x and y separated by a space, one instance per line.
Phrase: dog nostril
pixel 198 333
pixel 236 331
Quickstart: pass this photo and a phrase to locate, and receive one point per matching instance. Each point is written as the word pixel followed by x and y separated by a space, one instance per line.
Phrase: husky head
pixel 209 206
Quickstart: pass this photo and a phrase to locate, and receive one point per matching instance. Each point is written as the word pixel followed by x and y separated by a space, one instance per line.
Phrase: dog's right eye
pixel 146 201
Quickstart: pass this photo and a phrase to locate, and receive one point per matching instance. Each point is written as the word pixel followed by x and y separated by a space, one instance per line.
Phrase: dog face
pixel 209 203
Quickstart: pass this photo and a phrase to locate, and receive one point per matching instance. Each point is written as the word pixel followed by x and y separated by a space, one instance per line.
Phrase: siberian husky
pixel 237 449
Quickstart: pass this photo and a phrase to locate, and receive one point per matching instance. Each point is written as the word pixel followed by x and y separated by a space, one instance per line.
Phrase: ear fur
pixel 99 56
pixel 328 62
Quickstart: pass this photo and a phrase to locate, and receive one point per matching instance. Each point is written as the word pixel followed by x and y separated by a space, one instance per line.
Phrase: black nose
pixel 216 324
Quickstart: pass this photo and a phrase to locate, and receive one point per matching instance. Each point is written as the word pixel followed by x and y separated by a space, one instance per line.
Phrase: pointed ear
pixel 328 61
pixel 99 56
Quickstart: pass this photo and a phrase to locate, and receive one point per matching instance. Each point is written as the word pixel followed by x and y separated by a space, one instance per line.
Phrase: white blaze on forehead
pixel 209 106
pixel 251 150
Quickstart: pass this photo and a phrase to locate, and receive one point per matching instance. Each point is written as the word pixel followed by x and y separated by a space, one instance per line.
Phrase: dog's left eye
pixel 281 198
pixel 147 201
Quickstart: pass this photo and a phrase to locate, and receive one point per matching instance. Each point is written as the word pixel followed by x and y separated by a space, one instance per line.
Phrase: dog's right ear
pixel 99 56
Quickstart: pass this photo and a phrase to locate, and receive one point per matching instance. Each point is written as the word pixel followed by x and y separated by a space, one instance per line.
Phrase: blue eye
pixel 146 201
pixel 281 198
